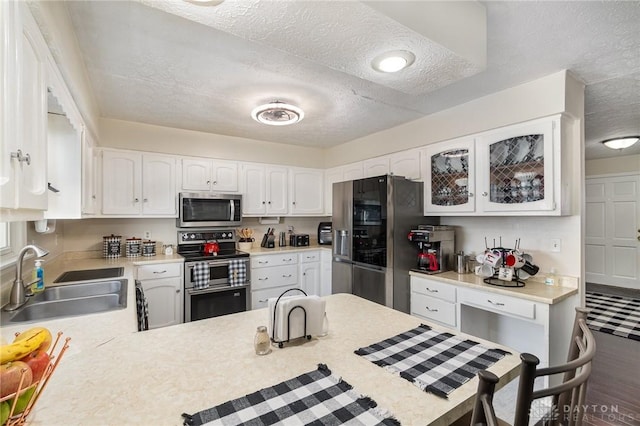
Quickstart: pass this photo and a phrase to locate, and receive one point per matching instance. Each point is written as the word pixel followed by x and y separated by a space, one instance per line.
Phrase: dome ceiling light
pixel 205 2
pixel 621 143
pixel 393 61
pixel 277 114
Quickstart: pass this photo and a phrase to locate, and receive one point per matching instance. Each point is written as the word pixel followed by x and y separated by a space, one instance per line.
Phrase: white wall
pixel 606 166
pixel 147 137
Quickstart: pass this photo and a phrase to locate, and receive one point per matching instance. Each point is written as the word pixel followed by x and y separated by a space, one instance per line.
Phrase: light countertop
pixel 287 249
pixel 533 290
pixel 154 376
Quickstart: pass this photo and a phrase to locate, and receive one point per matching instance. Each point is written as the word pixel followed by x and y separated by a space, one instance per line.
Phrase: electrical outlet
pixel 556 245
pixel 147 235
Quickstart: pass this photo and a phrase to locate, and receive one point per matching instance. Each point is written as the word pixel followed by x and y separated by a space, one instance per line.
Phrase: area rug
pixel 435 362
pixel 317 398
pixel 615 315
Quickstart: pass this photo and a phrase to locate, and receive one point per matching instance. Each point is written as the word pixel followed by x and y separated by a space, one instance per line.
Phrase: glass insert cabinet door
pixel 516 167
pixel 450 167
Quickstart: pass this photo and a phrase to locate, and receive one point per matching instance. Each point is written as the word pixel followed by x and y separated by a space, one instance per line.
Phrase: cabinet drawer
pixel 273 260
pixel 497 303
pixel 162 270
pixel 259 298
pixel 277 276
pixel 309 256
pixel 434 309
pixel 433 288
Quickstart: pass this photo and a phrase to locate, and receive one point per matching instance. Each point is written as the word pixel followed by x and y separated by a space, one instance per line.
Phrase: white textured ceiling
pixel 206 68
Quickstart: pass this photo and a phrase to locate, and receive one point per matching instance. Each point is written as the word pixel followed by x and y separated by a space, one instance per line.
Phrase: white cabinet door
pixel 9 22
pixel 331 176
pixel 310 278
pixel 89 178
pixel 121 182
pixel 225 176
pixel 406 163
pixel 449 176
pixel 305 191
pixel 325 272
pixel 196 174
pixel 353 171
pixel 276 181
pixel 158 185
pixel 376 167
pixel 254 197
pixel 165 300
pixel 516 169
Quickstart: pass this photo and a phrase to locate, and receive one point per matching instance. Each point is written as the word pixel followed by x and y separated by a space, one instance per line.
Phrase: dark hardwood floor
pixel 613 393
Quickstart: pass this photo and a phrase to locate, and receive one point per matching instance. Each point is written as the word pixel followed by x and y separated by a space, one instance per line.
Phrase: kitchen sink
pixel 90 274
pixel 83 298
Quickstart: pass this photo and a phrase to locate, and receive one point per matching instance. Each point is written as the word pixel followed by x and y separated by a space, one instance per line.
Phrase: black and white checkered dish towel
pixel 201 275
pixel 237 272
pixel 317 398
pixel 142 308
pixel 435 362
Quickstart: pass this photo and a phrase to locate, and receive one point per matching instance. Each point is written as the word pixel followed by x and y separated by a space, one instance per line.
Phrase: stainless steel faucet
pixel 18 296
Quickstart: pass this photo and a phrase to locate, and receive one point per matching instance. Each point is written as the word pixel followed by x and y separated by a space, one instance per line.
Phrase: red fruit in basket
pixel 38 361
pixel 10 374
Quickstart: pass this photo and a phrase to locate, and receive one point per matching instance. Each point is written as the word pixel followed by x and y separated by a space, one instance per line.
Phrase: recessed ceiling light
pixel 393 61
pixel 621 143
pixel 277 114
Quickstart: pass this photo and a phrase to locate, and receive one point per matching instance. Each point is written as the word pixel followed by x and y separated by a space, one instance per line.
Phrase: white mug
pixel 485 270
pixel 492 258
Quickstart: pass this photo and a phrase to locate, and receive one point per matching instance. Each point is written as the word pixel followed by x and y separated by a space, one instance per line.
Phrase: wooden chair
pixel 567 397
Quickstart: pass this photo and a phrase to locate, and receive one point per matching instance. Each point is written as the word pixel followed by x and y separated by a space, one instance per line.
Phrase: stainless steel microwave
pixel 198 210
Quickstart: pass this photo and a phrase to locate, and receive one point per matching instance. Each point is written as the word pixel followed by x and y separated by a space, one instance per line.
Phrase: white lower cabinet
pixel 271 275
pixel 163 288
pixel 309 271
pixel 538 328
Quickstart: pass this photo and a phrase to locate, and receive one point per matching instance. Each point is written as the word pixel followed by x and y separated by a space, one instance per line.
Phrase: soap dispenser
pixel 38 276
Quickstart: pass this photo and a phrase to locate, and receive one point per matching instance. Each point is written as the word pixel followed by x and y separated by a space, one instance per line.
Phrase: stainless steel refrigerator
pixel 371 253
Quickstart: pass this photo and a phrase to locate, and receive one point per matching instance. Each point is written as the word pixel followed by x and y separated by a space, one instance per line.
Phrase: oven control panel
pixel 202 236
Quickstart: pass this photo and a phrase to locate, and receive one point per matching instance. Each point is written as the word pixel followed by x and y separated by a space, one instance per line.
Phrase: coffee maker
pixel 435 247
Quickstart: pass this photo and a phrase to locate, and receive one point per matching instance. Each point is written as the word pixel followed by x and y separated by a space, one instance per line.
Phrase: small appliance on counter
pixel 299 240
pixel 436 247
pixel 325 234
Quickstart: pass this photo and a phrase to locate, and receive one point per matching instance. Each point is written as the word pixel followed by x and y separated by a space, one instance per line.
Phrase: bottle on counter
pixel 261 342
pixel 38 276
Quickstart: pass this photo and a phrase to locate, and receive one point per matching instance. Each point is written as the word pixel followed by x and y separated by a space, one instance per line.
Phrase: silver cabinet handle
pixel 160 272
pixel 431 291
pixel 263 279
pixel 263 262
pixel 288 260
pixel 286 276
pixel 470 194
pixel 263 300
pixel 208 182
pixel 294 203
pixel 268 202
pixel 495 303
pixel 135 200
pixel 484 194
pixel 177 290
pixel 215 182
pixel 21 157
pixel 431 310
pixel 146 200
pixel 263 202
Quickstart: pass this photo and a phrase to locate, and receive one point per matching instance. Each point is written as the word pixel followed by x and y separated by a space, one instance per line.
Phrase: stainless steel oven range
pixel 216 296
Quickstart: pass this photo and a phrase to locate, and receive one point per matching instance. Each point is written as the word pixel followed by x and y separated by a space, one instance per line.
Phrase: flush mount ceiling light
pixel 205 2
pixel 393 61
pixel 621 143
pixel 277 114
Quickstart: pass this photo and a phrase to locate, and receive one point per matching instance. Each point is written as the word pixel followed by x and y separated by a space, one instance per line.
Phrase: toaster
pixel 324 233
pixel 299 240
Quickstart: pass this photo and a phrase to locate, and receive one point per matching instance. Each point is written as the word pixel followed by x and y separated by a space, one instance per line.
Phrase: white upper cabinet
pixel 90 205
pixel 352 171
pixel 23 112
pixel 375 167
pixel 331 176
pixel 264 189
pixel 306 192
pixel 449 170
pixel 134 183
pixel 209 175
pixel 406 163
pixel 514 170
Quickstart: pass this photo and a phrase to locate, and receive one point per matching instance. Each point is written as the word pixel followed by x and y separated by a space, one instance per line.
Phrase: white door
pixel 165 301
pixel 310 278
pixel 121 182
pixel 254 199
pixel 158 185
pixel 305 189
pixel 8 113
pixel 612 254
pixel 277 184
pixel 225 176
pixel 196 174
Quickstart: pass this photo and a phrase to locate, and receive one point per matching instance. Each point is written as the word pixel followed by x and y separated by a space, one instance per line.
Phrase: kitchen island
pixel 153 376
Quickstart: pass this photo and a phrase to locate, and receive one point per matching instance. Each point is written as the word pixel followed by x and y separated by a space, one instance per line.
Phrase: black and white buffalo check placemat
pixel 435 362
pixel 615 315
pixel 316 398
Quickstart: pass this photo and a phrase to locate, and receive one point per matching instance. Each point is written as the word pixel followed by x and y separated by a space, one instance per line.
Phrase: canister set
pixel 134 247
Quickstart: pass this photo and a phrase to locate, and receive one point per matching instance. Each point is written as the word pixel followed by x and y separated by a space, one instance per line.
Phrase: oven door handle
pixel 213 263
